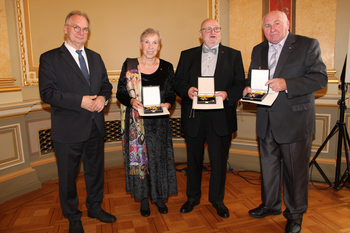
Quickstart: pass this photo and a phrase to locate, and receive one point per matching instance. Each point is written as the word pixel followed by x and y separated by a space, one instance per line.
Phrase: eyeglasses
pixel 209 29
pixel 78 29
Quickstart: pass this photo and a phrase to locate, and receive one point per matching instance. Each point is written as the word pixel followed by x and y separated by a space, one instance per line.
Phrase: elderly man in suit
pixel 74 81
pixel 285 129
pixel 214 126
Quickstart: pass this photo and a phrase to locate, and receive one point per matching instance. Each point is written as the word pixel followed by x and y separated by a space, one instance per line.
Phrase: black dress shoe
pixel 102 215
pixel 188 206
pixel 75 227
pixel 162 210
pixel 222 210
pixel 293 225
pixel 145 213
pixel 262 211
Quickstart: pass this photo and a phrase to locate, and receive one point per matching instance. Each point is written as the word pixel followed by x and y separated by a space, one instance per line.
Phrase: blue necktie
pixel 83 66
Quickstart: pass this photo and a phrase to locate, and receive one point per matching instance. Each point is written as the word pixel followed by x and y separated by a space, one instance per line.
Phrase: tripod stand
pixel 343 139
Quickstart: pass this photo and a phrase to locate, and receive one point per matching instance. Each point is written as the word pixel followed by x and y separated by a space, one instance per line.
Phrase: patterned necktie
pixel 206 50
pixel 83 66
pixel 273 60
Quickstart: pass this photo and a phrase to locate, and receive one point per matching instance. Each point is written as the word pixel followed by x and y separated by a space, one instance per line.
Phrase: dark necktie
pixel 207 50
pixel 83 66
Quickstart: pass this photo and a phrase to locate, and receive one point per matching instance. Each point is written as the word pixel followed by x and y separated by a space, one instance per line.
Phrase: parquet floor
pixel 39 211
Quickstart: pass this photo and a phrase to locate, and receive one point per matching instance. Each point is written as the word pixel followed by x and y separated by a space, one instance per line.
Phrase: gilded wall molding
pixel 7 85
pixel 214 9
pixel 29 78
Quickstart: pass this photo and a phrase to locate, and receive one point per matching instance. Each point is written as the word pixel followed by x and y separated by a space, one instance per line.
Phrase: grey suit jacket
pixel 63 85
pixel 229 77
pixel 292 115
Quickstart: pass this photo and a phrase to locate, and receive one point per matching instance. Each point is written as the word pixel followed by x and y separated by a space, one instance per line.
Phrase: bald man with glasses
pixel 214 126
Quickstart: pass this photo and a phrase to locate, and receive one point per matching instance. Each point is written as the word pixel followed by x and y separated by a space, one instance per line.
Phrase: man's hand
pixel 277 84
pixel 135 104
pixel 167 105
pixel 99 104
pixel 88 102
pixel 191 92
pixel 223 95
pixel 246 90
pixel 93 103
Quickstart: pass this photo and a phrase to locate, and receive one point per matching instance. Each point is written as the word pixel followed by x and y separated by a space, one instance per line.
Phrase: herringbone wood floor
pixel 39 211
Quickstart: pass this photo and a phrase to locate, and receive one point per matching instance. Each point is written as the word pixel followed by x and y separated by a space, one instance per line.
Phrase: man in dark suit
pixel 214 126
pixel 74 81
pixel 285 129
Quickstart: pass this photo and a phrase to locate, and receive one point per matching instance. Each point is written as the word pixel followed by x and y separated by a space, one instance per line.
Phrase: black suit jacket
pixel 63 85
pixel 292 115
pixel 229 77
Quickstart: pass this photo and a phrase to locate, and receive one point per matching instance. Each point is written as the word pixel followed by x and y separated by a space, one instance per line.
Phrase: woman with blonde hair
pixel 147 141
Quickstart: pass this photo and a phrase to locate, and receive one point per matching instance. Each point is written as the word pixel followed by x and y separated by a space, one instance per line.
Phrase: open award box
pixel 258 79
pixel 151 100
pixel 206 90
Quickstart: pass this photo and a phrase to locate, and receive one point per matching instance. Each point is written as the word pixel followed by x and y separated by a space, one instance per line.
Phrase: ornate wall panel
pixel 323 122
pixel 311 19
pixel 317 19
pixel 6 80
pixel 12 153
pixel 5 65
pixel 115 28
pixel 246 134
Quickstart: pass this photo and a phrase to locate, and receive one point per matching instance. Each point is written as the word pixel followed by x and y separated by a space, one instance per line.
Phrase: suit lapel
pixel 196 65
pixel 198 61
pixel 218 74
pixel 72 63
pixel 265 56
pixel 91 65
pixel 286 50
pixel 221 57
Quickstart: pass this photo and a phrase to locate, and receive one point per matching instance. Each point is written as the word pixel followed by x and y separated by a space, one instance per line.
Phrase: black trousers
pixel 218 151
pixel 68 161
pixel 287 163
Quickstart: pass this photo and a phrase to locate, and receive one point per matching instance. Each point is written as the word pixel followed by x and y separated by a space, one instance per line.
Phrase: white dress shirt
pixel 209 62
pixel 75 55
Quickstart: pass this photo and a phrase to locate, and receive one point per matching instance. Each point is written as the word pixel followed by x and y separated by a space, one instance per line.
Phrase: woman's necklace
pixel 155 60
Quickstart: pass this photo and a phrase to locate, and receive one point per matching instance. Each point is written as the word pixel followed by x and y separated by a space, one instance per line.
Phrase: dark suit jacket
pixel 63 85
pixel 229 77
pixel 292 115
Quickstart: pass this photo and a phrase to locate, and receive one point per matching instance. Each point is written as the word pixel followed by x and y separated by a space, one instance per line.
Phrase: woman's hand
pixel 135 104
